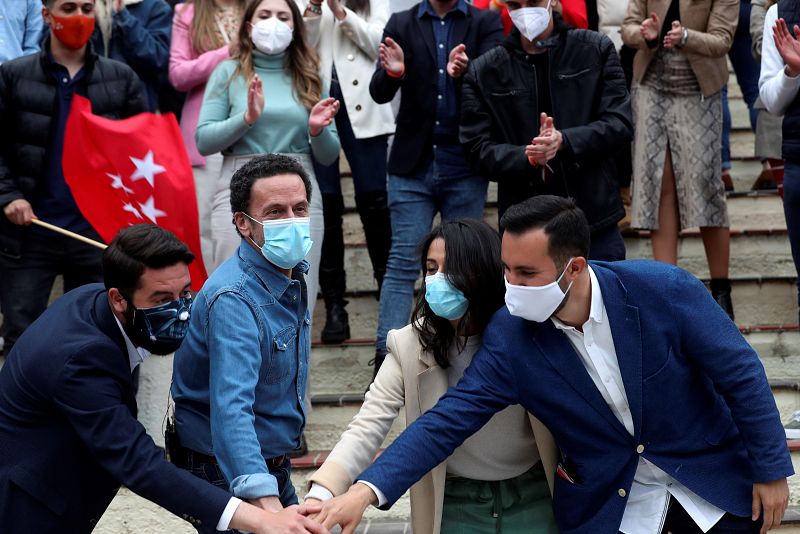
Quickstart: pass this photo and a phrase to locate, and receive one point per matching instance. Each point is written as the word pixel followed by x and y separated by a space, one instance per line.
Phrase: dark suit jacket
pixel 68 430
pixel 701 406
pixel 413 143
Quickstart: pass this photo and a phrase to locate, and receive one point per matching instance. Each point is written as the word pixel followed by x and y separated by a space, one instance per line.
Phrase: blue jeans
pixel 413 203
pixel 747 72
pixel 210 472
pixel 791 210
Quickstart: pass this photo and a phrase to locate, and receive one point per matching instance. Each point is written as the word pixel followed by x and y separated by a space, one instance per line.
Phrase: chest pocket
pixel 283 364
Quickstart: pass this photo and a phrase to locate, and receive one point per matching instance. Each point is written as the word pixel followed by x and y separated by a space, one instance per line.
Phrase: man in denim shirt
pixel 240 374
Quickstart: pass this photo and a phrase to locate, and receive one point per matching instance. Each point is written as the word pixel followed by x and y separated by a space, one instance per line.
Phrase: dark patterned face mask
pixel 160 329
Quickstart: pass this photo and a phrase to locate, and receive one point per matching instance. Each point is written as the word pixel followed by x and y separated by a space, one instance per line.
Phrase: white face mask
pixel 531 21
pixel 536 303
pixel 271 36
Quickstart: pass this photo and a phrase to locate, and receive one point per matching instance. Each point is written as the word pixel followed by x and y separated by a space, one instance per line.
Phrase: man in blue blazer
pixel 661 409
pixel 68 430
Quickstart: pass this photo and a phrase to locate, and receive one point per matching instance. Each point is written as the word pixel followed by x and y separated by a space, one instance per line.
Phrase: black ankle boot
pixel 721 291
pixel 337 327
pixel 374 213
pixel 380 356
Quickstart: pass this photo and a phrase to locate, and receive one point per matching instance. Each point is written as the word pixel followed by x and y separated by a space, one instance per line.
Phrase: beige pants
pixel 205 184
pixel 225 240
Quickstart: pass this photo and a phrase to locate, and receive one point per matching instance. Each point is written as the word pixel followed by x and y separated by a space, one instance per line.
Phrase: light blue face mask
pixel 286 241
pixel 444 298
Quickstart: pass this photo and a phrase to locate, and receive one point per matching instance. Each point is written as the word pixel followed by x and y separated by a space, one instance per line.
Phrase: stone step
pixel 343 369
pixel 755 254
pixel 756 301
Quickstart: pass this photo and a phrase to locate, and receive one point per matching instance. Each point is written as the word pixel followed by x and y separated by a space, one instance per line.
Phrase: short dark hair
pixel 473 266
pixel 263 167
pixel 564 223
pixel 138 247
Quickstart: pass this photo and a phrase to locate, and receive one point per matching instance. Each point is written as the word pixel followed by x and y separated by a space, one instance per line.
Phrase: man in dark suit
pixel 425 52
pixel 662 411
pixel 68 430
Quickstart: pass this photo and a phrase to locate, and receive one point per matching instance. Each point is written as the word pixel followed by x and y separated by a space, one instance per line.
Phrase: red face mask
pixel 74 31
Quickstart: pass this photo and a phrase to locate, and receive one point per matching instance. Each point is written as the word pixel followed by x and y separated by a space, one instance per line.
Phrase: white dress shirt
pixel 777 90
pixel 648 499
pixel 137 355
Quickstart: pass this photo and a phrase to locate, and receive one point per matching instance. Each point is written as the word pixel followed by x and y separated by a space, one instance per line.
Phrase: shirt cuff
pixel 378 493
pixel 255 486
pixel 318 492
pixel 227 514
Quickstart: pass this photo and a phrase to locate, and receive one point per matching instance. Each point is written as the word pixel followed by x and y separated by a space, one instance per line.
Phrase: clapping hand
pixel 322 115
pixel 544 147
pixel 255 101
pixel 788 46
pixel 337 9
pixel 392 58
pixel 674 36
pixel 649 27
pixel 457 62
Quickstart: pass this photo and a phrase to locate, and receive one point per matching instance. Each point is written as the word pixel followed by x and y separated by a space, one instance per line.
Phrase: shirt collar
pixel 425 8
pixel 275 281
pixel 136 355
pixel 597 310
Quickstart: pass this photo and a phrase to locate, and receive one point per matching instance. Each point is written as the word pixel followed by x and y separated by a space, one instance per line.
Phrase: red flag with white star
pixel 132 171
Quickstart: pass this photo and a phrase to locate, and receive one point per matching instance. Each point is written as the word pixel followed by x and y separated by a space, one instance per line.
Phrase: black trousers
pixel 678 521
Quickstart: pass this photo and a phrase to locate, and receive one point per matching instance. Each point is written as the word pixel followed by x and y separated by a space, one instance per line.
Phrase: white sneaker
pixel 793 426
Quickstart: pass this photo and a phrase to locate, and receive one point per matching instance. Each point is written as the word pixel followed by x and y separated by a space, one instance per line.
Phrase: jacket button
pixel 358 107
pixel 350 57
pixel 355 82
pixel 622 492
pixel 640 449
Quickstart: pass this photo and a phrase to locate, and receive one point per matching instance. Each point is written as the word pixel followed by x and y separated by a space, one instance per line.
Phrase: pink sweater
pixel 189 72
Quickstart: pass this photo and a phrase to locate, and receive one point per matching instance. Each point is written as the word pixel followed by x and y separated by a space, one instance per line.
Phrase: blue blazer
pixel 68 430
pixel 701 404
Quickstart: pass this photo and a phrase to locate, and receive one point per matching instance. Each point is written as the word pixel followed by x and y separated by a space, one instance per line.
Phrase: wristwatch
pixel 684 38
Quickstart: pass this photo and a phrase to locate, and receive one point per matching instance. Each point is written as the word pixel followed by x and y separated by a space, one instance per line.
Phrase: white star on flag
pixel 130 208
pixel 116 183
pixel 150 211
pixel 146 168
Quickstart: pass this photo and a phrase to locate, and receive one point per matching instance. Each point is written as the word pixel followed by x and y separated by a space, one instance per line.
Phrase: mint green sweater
pixel 282 127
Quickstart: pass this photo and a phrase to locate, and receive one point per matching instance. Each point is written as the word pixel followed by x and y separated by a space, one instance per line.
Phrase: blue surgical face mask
pixel 444 298
pixel 159 329
pixel 286 241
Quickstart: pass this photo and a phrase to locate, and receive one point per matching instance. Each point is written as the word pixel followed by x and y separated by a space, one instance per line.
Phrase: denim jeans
pixel 413 203
pixel 791 210
pixel 26 283
pixel 210 472
pixel 747 72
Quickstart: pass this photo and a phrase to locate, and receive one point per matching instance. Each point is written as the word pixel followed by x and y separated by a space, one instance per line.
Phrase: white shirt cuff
pixel 227 514
pixel 378 493
pixel 318 492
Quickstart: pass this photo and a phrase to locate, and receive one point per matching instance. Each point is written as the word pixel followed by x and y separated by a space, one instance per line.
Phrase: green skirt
pixel 517 505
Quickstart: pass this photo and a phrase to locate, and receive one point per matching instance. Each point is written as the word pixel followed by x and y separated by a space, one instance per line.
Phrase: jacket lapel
pixel 460 26
pixel 426 31
pixel 431 382
pixel 626 330
pixel 562 356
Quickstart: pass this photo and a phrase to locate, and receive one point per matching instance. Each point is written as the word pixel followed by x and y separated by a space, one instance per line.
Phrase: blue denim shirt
pixel 21 28
pixel 240 374
pixel 449 155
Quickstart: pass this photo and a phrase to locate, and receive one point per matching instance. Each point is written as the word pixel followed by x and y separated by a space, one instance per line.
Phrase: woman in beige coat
pixel 497 481
pixel 679 69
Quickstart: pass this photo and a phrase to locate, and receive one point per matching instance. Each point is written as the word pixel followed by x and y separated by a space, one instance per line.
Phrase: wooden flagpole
pixel 67 233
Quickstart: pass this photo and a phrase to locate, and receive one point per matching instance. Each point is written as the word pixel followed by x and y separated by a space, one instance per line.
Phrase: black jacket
pixel 413 144
pixel 28 95
pixel 590 106
pixel 68 430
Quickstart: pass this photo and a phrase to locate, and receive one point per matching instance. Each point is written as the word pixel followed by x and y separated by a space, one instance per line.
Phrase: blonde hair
pixel 301 61
pixel 204 32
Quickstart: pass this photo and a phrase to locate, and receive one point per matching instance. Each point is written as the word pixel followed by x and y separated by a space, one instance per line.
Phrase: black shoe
pixel 376 362
pixel 721 292
pixel 301 449
pixel 337 327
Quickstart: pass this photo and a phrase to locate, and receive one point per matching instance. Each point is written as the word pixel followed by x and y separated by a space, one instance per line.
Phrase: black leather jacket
pixel 590 106
pixel 28 95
